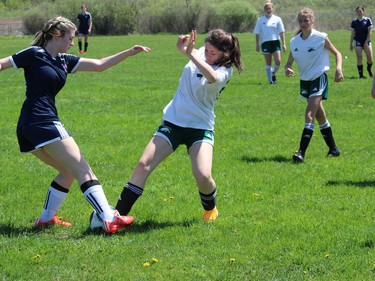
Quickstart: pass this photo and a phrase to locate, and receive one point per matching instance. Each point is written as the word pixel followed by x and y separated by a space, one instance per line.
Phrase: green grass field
pixel 278 220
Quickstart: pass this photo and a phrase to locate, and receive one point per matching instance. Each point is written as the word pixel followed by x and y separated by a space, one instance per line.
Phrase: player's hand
pixel 138 49
pixel 339 77
pixel 182 42
pixel 289 72
pixel 185 43
pixel 191 43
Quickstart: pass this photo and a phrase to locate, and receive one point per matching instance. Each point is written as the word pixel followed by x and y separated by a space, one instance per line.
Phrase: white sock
pixel 276 68
pixel 54 199
pixel 269 73
pixel 96 197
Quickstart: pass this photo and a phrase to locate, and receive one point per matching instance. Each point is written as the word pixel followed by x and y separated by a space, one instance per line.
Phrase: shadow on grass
pixel 277 158
pixel 10 230
pixel 360 184
pixel 147 226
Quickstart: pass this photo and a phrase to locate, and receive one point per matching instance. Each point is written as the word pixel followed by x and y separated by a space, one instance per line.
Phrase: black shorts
pixel 176 135
pixel 269 47
pixel 317 87
pixel 32 137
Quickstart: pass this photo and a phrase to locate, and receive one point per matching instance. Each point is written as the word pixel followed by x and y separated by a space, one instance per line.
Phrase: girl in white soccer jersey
pixel 269 29
pixel 310 49
pixel 189 117
pixel 39 130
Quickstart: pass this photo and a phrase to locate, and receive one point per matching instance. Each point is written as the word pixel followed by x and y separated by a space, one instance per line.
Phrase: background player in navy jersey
pixel 39 129
pixel 310 49
pixel 360 40
pixel 84 28
pixel 189 117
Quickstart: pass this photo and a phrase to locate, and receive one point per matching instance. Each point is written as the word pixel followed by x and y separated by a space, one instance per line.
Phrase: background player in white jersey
pixel 39 129
pixel 360 40
pixel 269 29
pixel 189 117
pixel 84 28
pixel 310 49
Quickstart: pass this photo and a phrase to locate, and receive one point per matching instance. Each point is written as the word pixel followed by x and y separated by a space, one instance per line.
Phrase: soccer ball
pixel 96 223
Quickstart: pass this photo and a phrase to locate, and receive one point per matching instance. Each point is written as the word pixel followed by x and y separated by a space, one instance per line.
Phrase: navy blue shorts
pixel 32 137
pixel 176 135
pixel 361 43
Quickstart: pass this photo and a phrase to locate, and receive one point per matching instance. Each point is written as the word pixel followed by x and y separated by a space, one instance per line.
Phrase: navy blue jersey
pixel 361 28
pixel 45 77
pixel 84 22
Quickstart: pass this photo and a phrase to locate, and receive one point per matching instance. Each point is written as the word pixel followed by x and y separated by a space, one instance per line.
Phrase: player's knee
pixel 203 179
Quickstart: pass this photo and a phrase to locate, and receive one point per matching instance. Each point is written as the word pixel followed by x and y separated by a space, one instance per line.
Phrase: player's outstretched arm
pixel 107 62
pixel 5 63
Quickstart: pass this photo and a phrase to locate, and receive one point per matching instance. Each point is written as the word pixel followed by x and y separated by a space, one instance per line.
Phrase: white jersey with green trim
pixel 311 56
pixel 193 103
pixel 269 29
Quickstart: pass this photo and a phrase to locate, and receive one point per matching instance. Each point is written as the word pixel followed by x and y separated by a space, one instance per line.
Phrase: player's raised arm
pixel 107 62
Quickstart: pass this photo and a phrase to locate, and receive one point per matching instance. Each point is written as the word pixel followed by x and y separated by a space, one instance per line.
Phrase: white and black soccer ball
pixel 96 223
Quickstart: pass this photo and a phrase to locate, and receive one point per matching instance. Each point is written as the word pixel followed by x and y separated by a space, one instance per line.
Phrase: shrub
pixel 232 16
pixel 181 16
pixel 166 16
pixel 146 16
pixel 34 20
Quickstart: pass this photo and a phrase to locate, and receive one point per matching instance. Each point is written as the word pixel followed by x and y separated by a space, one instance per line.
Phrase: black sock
pixel 80 46
pixel 360 70
pixel 86 46
pixel 305 140
pixel 369 65
pixel 208 200
pixel 328 138
pixel 128 196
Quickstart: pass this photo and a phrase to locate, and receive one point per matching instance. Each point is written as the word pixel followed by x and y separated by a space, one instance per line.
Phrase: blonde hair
pixel 57 26
pixel 307 12
pixel 268 3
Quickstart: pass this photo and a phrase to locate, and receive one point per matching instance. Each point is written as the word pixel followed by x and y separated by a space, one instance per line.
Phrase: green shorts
pixel 176 135
pixel 317 87
pixel 269 47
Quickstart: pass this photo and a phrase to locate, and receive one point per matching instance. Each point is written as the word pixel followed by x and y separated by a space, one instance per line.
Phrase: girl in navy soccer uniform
pixel 84 28
pixel 189 117
pixel 310 49
pixel 39 129
pixel 360 40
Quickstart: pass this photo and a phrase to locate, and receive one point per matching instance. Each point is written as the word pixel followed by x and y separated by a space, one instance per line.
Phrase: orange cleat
pixel 118 223
pixel 54 220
